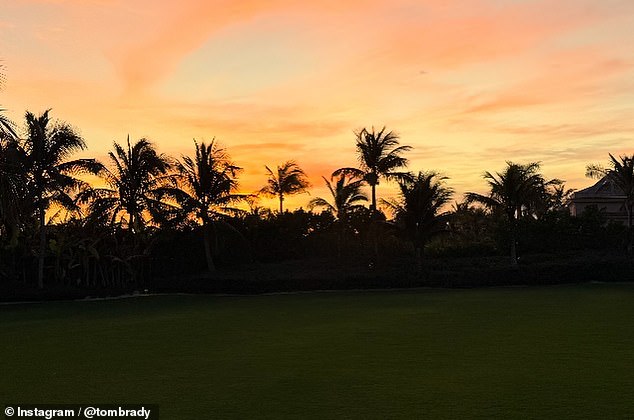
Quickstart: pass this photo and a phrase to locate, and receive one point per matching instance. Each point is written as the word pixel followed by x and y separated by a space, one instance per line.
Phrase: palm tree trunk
pixel 211 267
pixel 375 244
pixel 419 258
pixel 42 250
pixel 131 227
pixel 513 244
pixel 281 203
pixel 628 207
pixel 339 239
pixel 373 205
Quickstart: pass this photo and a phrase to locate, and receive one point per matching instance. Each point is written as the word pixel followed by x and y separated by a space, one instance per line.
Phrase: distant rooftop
pixel 605 196
pixel 602 188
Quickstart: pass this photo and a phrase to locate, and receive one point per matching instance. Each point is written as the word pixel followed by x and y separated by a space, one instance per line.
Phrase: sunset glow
pixel 468 84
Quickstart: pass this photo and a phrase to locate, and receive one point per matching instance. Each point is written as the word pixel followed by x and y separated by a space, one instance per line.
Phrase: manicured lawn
pixel 547 352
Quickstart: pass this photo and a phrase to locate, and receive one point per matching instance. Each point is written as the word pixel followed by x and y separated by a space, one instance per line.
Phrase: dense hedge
pixel 333 274
pixel 306 251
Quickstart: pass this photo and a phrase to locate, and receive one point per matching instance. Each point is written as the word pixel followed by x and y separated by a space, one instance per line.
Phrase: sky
pixel 468 84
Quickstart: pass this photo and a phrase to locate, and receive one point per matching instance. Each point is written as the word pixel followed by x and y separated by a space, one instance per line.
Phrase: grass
pixel 542 352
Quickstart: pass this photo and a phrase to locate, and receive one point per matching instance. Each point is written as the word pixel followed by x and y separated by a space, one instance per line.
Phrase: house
pixel 606 196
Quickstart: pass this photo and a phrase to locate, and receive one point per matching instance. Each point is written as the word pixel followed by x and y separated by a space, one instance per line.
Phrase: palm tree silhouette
pixel 288 179
pixel 136 174
pixel 419 210
pixel 514 192
pixel 50 176
pixel 13 205
pixel 6 125
pixel 559 197
pixel 469 223
pixel 621 174
pixel 205 188
pixel 379 155
pixel 11 175
pixel 346 197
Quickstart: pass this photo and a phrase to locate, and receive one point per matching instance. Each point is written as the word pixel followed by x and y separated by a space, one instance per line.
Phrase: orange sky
pixel 469 83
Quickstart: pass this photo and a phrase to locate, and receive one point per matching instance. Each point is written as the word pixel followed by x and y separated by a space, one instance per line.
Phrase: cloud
pixel 190 24
pixel 593 79
pixel 568 130
pixel 274 146
pixel 536 80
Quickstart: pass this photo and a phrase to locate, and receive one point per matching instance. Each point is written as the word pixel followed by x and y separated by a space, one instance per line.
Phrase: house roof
pixel 603 188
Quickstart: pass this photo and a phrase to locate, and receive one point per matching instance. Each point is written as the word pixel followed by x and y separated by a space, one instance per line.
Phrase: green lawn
pixel 547 352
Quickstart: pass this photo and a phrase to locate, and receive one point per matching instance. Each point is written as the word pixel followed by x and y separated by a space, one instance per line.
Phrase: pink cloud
pixel 189 24
pixel 587 81
pixel 468 83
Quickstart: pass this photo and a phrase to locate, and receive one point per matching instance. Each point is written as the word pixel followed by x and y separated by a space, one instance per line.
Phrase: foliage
pixel 621 174
pixel 346 196
pixel 205 187
pixel 516 191
pixel 134 179
pixel 288 179
pixel 6 125
pixel 158 219
pixel 558 196
pixel 290 235
pixel 49 174
pixel 519 191
pixel 379 155
pixel 14 206
pixel 420 209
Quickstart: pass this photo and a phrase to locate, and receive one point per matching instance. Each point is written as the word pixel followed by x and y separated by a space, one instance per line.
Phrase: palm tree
pixel 379 155
pixel 11 175
pixel 621 174
pixel 559 197
pixel 134 179
pixel 13 203
pixel 419 210
pixel 256 211
pixel 346 197
pixel 469 223
pixel 515 192
pixel 206 188
pixel 288 179
pixel 6 126
pixel 50 176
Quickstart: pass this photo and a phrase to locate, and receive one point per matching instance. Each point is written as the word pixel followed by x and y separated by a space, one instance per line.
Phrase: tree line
pixel 150 205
